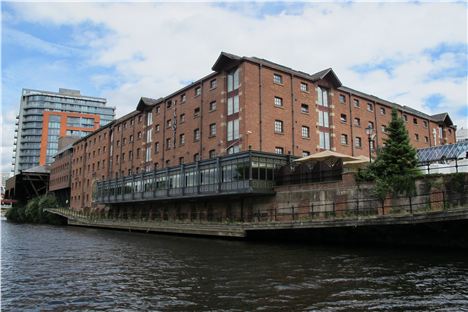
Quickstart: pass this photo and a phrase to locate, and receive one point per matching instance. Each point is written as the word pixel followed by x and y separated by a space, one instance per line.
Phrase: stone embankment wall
pixel 303 201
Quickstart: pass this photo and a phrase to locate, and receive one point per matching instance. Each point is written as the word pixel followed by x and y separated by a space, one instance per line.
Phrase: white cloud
pixel 153 47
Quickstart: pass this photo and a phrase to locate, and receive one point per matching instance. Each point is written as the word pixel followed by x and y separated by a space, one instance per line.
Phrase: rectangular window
pixel 357 122
pixel 233 80
pixel 149 119
pixel 322 96
pixel 426 139
pixel 416 137
pixel 181 160
pixel 305 153
pixel 213 84
pixel 156 147
pixel 425 124
pixel 278 126
pixel 168 143
pixel 358 142
pixel 196 112
pixel 304 87
pixel 342 99
pixel 233 149
pixel 233 130
pixel 356 103
pixel 233 105
pixel 405 117
pixel 183 98
pixel 277 78
pixel 169 123
pixel 415 121
pixel 305 132
pixel 324 138
pixel 182 118
pixel 213 129
pixel 212 154
pixel 197 91
pixel 148 136
pixel 370 107
pixel 279 150
pixel 343 118
pixel 182 139
pixel 344 139
pixel 384 129
pixel 158 109
pixel 196 157
pixel 148 153
pixel 304 108
pixel 382 111
pixel 278 101
pixel 212 106
pixel 370 124
pixel 196 135
pixel 157 128
pixel 323 119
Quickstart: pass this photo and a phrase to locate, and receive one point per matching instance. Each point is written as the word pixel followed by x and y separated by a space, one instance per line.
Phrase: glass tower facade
pixel 45 116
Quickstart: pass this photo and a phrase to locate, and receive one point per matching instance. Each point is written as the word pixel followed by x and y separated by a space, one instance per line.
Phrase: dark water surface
pixel 70 268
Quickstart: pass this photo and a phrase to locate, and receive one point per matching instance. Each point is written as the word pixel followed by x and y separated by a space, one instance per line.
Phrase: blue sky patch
pixel 264 9
pixel 434 100
pixel 388 66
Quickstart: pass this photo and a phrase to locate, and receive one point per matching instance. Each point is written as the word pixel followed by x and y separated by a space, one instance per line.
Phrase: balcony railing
pixel 242 173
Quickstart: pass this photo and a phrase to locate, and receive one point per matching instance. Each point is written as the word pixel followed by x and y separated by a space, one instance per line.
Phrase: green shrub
pixel 34 212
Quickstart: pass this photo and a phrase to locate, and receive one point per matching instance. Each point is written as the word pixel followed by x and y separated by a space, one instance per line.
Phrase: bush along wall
pixel 33 212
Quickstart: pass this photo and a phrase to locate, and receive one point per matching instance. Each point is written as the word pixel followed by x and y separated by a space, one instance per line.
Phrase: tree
pixel 395 168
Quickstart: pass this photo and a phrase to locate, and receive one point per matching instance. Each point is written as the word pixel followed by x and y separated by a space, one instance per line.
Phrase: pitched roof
pixel 227 60
pixel 146 103
pixel 443 118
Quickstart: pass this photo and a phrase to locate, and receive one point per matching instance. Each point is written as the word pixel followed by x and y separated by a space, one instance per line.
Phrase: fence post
pixel 410 205
pixel 293 217
pixel 443 200
pixel 334 208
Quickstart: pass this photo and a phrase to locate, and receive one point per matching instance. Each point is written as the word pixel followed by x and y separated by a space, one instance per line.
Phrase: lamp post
pixel 370 131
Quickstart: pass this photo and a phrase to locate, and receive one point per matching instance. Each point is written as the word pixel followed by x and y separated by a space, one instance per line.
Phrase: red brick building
pixel 245 102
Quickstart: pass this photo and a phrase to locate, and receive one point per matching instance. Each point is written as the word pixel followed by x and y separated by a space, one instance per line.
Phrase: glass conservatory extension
pixel 242 173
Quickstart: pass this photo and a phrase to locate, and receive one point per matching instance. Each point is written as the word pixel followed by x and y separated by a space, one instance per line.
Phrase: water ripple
pixel 74 269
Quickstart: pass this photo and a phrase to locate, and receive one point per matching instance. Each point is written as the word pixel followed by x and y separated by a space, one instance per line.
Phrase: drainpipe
pixel 201 120
pixel 292 116
pixel 351 123
pixel 260 90
pixel 376 127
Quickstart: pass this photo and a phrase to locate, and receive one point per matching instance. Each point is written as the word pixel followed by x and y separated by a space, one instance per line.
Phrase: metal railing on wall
pixel 332 210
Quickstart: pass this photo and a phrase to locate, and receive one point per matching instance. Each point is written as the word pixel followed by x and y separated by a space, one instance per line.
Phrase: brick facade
pixel 193 123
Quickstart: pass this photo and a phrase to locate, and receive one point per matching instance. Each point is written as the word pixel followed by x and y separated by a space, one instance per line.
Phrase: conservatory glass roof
pixel 449 151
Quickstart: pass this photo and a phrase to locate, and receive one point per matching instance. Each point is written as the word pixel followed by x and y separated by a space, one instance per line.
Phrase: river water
pixel 47 268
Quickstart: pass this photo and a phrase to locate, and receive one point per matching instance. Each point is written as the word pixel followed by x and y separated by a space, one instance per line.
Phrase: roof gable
pixel 147 103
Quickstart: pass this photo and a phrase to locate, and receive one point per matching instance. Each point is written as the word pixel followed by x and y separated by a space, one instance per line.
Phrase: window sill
pixel 305 113
pixel 212 136
pixel 306 138
pixel 212 110
pixel 278 83
pixel 306 91
pixel 280 107
pixel 279 133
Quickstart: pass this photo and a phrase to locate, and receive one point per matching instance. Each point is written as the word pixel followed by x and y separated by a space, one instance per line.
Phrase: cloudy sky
pixel 414 54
